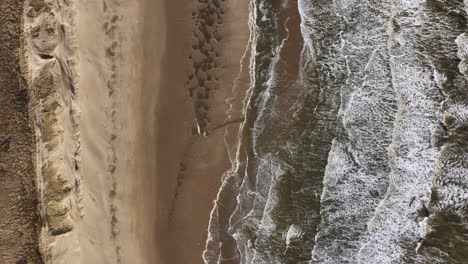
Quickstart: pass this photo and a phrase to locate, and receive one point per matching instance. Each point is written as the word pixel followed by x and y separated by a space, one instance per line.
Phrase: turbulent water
pixel 362 156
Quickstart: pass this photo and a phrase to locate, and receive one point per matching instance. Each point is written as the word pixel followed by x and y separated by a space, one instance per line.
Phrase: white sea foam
pixel 367 163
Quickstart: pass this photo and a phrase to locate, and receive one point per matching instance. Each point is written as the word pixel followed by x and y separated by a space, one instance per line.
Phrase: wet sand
pixel 191 121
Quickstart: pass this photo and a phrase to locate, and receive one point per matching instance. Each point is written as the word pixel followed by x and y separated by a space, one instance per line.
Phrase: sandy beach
pixel 145 99
pixel 164 172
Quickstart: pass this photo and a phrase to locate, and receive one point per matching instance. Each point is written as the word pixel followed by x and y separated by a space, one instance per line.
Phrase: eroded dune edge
pixel 49 61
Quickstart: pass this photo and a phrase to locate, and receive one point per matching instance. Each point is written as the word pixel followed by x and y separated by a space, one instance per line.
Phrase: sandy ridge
pixel 49 61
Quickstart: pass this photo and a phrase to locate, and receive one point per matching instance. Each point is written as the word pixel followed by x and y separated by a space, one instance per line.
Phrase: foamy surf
pixel 365 166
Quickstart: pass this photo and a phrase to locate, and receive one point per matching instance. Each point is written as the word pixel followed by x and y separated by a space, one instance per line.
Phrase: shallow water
pixel 360 157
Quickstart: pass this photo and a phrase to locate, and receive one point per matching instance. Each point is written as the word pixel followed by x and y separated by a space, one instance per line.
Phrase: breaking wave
pixel 360 157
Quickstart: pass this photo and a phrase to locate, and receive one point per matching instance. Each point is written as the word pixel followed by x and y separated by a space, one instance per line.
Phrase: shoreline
pixel 193 164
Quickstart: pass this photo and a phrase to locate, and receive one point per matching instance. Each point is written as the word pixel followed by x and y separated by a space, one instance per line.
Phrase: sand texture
pixel 202 62
pixel 19 220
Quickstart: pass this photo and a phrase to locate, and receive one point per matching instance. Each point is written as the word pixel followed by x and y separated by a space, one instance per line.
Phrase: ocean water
pixel 363 156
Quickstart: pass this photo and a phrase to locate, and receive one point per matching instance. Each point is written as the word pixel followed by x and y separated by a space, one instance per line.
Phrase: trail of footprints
pixel 204 73
pixel 112 51
pixel 204 76
pixel 180 179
